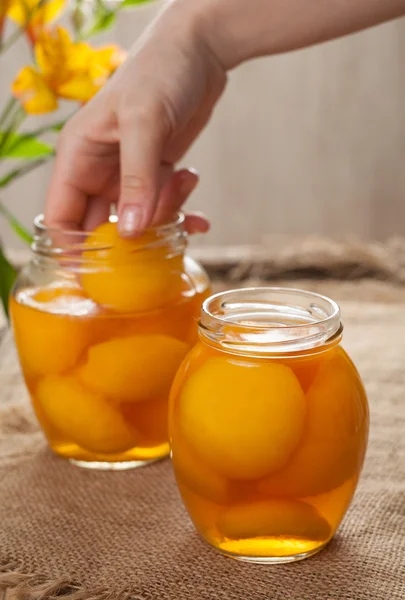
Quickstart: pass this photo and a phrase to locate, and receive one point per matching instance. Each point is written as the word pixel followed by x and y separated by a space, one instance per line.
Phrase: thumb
pixel 141 144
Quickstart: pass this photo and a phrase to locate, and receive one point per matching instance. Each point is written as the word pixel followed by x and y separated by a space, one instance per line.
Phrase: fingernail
pixel 131 219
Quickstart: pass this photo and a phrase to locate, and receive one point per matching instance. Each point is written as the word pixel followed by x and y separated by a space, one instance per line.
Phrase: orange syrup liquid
pixel 99 351
pixel 267 451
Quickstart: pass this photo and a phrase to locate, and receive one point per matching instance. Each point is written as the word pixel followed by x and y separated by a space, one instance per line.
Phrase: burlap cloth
pixel 69 532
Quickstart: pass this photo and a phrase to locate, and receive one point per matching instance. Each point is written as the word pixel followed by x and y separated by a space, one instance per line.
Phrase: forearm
pixel 238 30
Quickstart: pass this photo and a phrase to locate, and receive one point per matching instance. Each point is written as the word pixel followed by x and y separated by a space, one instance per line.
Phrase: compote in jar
pixel 101 326
pixel 268 424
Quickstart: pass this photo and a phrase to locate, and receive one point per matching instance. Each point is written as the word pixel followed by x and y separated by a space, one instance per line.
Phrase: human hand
pixel 122 147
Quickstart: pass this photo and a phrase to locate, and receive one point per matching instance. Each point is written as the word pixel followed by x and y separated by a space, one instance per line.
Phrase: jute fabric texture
pixel 72 533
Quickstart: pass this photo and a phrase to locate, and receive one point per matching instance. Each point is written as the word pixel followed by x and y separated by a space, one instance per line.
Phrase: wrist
pixel 209 22
pixel 221 23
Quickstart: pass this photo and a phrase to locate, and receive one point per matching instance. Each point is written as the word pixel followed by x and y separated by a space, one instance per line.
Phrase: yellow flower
pixel 34 14
pixel 64 69
pixel 4 7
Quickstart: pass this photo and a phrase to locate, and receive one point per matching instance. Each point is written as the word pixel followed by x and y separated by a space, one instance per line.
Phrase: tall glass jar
pixel 101 326
pixel 268 423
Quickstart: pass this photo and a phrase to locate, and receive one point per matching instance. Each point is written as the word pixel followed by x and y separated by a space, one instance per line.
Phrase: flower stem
pixel 19 229
pixel 7 277
pixel 23 170
pixel 7 110
pixel 57 126
pixel 16 121
pixel 11 40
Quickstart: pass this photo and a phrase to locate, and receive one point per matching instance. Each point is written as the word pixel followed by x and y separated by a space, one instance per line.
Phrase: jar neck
pixel 270 321
pixel 77 250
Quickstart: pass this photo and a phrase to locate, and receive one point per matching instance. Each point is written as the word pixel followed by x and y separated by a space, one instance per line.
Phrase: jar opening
pixel 56 243
pixel 270 320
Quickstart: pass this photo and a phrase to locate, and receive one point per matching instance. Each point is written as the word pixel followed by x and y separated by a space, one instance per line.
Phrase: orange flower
pixel 64 69
pixel 4 6
pixel 33 15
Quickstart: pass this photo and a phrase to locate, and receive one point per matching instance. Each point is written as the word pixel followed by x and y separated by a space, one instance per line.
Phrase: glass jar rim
pixel 41 227
pixel 56 241
pixel 270 320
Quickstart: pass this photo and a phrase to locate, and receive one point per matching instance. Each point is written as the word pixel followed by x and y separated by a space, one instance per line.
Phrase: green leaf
pixel 7 277
pixel 16 225
pixel 103 19
pixel 128 3
pixel 23 169
pixel 58 126
pixel 23 145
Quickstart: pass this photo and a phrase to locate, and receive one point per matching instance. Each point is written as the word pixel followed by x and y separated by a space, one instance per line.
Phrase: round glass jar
pixel 101 326
pixel 268 424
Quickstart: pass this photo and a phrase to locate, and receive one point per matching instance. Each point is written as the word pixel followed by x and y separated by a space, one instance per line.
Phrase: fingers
pixel 196 223
pixel 141 145
pixel 99 205
pixel 84 167
pixel 98 212
pixel 176 189
pixel 174 194
pixel 87 180
pixel 66 204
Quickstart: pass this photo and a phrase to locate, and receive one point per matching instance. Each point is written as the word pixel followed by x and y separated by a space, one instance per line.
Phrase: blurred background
pixel 307 143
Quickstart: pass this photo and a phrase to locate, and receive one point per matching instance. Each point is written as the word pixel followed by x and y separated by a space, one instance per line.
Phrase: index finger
pixel 66 204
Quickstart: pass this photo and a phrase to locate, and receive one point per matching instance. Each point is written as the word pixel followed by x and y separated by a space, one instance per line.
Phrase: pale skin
pixel 124 145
